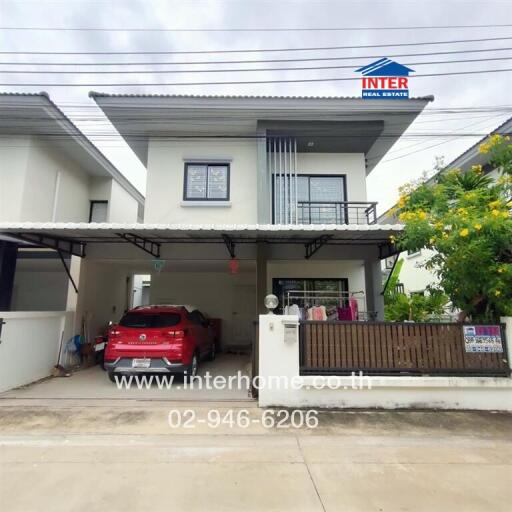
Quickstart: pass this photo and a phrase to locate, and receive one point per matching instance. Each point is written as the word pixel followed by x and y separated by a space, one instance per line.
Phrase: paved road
pixel 63 455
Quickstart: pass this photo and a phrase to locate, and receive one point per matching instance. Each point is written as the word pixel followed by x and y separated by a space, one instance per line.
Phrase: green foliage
pixel 466 219
pixel 400 307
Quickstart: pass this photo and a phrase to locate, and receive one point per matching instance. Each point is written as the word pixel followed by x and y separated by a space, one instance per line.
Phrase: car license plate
pixel 141 363
pixel 99 347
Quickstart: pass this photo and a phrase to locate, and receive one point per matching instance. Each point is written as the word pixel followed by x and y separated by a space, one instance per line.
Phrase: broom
pixel 59 370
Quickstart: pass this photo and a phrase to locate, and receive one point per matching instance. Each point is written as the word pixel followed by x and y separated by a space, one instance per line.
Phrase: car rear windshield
pixel 147 320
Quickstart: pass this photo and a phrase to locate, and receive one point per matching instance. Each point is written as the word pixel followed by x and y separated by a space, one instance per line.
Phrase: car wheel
pixel 192 370
pixel 112 376
pixel 102 360
pixel 212 354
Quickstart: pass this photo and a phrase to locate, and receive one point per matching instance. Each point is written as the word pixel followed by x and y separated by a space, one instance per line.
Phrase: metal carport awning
pixel 73 238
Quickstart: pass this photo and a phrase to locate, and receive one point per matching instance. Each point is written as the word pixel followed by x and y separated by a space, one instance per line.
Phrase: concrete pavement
pixel 93 383
pixel 123 456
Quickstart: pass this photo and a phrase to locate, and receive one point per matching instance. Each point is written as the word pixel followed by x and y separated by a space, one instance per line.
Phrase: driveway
pixel 93 383
pixel 59 455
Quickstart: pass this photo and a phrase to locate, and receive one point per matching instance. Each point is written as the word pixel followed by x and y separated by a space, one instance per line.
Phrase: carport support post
pixel 72 296
pixel 261 276
pixel 8 257
pixel 373 282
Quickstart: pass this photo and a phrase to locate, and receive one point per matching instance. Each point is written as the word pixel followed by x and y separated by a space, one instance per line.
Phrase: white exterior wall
pixel 13 168
pixel 122 207
pixel 61 186
pixel 352 165
pixel 279 363
pixel 103 297
pixel 30 346
pixel 217 294
pixel 38 183
pixel 413 275
pixel 166 166
pixel 100 189
pixel 166 170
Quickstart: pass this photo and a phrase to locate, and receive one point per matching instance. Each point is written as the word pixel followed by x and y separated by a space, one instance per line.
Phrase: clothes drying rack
pixel 328 298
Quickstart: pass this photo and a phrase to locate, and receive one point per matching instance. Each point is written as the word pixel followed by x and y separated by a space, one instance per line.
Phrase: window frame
pixel 92 202
pixel 343 281
pixel 309 176
pixel 227 165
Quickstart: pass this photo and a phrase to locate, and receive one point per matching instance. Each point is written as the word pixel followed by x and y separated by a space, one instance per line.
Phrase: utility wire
pixel 429 111
pixel 422 143
pixel 259 50
pixel 248 29
pixel 259 61
pixel 236 70
pixel 226 136
pixel 248 82
pixel 191 122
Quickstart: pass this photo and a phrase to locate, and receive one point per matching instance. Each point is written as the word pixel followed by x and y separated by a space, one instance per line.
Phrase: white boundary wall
pixel 30 344
pixel 279 359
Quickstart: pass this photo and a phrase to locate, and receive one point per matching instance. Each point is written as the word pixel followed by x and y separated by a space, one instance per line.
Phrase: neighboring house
pixel 414 277
pixel 44 156
pixel 50 172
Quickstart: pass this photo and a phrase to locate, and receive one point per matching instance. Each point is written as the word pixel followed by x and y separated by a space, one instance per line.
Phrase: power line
pixel 41 123
pixel 248 82
pixel 307 59
pixel 227 136
pixel 248 29
pixel 237 70
pixel 429 111
pixel 259 50
pixel 422 143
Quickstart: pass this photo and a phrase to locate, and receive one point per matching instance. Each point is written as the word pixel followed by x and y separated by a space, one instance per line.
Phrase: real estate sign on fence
pixel 483 338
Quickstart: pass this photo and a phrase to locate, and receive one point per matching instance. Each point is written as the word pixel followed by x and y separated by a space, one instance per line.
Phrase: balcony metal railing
pixel 339 212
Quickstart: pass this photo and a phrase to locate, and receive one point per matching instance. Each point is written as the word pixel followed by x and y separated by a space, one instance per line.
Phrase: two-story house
pixel 252 195
pixel 246 196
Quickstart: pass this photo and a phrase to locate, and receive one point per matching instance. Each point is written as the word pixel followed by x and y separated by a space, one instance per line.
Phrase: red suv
pixel 159 339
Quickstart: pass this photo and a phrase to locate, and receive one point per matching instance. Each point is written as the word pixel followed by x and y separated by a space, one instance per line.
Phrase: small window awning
pixel 73 237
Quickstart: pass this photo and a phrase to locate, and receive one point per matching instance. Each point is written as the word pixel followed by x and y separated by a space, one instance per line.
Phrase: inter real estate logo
pixel 385 79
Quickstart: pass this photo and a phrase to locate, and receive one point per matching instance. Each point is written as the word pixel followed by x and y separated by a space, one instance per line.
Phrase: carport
pixel 223 270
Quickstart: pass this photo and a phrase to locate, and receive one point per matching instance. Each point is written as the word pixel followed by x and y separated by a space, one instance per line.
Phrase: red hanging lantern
pixel 234 266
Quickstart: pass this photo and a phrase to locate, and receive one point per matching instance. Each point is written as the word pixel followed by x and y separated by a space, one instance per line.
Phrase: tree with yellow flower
pixel 466 218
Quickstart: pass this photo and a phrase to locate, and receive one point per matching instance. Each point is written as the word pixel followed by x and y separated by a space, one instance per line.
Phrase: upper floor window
pixel 320 199
pixel 98 211
pixel 206 182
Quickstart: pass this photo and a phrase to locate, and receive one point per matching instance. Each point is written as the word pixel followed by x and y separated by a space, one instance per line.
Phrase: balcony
pixel 338 212
pixel 326 212
pixel 310 197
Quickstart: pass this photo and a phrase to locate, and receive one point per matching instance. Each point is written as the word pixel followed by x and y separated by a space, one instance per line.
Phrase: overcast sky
pixel 450 91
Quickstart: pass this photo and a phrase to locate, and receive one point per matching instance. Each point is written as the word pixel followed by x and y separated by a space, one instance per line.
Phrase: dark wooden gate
pixel 385 348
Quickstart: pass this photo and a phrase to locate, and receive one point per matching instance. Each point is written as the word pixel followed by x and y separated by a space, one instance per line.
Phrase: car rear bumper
pixel 158 365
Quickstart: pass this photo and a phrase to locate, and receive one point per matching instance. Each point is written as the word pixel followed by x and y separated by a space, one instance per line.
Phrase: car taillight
pixel 114 333
pixel 175 334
